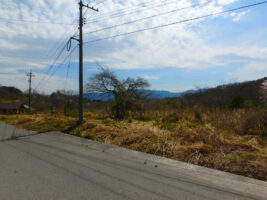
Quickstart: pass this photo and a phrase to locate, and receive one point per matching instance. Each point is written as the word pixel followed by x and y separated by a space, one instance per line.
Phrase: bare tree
pixel 125 92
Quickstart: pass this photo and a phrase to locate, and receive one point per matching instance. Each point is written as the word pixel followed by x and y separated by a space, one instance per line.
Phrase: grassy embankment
pixel 232 141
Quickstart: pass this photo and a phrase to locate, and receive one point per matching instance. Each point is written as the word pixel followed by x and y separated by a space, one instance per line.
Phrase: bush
pixel 145 118
pixel 171 118
pixel 255 124
pixel 168 126
pixel 236 102
pixel 197 116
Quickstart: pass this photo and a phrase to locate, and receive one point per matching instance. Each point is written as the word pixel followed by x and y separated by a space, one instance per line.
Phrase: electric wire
pixel 145 18
pixel 178 22
pixel 33 22
pixel 67 75
pixel 64 41
pixel 136 7
pixel 51 66
pixel 120 14
pixel 101 2
pixel 12 74
pixel 51 53
pixel 63 62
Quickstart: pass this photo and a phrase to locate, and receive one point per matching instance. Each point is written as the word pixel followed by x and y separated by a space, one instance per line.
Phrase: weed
pixel 7 119
pixel 197 116
pixel 171 118
pixel 168 126
pixel 249 156
pixel 89 136
pixel 145 118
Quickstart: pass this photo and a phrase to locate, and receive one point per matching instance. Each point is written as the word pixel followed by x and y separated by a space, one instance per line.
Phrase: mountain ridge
pixel 154 94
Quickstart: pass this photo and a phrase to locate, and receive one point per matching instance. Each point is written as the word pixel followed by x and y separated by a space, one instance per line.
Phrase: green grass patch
pixel 99 117
pixel 168 126
pixel 108 122
pixel 144 118
pixel 49 125
pixel 89 137
pixel 249 156
pixel 8 119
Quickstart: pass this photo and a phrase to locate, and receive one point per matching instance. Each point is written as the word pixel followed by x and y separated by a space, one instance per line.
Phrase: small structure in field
pixel 12 108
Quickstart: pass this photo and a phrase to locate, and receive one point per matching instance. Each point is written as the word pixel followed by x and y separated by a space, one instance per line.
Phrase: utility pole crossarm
pixel 89 7
pixel 92 8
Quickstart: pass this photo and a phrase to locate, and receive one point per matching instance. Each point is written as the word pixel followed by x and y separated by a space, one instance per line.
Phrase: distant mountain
pixel 154 94
pixel 98 96
pixel 163 94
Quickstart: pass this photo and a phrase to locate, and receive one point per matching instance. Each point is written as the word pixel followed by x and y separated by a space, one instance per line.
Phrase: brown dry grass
pixel 217 142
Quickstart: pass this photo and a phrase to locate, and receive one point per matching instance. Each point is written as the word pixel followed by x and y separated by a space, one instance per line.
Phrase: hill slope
pixel 249 91
pixel 10 94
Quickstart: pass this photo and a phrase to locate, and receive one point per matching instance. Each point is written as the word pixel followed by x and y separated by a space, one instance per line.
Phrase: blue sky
pixel 204 53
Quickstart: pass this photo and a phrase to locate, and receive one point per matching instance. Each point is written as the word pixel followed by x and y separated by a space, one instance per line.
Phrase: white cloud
pixel 176 46
pixel 181 46
pixel 252 71
pixel 53 83
pixel 237 16
pixel 151 77
pixel 11 45
pixel 226 2
pixel 181 89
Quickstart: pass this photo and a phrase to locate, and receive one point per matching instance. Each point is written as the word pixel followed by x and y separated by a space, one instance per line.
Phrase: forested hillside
pixel 11 94
pixel 230 95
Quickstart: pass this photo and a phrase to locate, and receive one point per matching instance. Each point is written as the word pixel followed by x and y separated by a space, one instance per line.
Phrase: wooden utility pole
pixel 80 40
pixel 30 74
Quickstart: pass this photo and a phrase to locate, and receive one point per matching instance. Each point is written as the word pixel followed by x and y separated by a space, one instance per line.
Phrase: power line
pixel 56 47
pixel 12 74
pixel 49 69
pixel 87 9
pixel 64 61
pixel 54 50
pixel 67 75
pixel 36 22
pixel 101 2
pixel 139 6
pixel 179 22
pixel 92 1
pixel 131 11
pixel 145 18
pixel 64 42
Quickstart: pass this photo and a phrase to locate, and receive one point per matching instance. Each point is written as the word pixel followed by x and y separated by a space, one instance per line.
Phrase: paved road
pixel 55 166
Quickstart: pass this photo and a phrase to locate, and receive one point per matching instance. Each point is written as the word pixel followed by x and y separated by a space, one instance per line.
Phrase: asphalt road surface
pixel 56 166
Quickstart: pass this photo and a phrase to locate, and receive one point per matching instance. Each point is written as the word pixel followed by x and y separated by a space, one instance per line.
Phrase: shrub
pixel 236 102
pixel 197 116
pixel 168 126
pixel 171 118
pixel 255 124
pixel 145 118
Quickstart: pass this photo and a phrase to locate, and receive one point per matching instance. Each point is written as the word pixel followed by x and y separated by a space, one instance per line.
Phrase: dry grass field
pixel 233 141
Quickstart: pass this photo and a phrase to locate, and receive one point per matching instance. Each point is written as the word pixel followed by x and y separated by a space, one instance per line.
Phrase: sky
pixel 221 49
